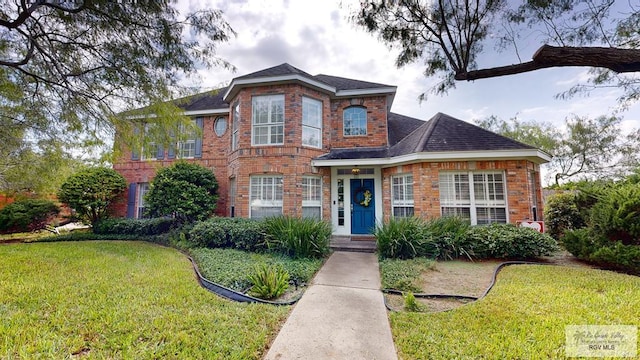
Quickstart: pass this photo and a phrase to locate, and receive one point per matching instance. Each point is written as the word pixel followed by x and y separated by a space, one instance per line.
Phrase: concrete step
pixel 365 244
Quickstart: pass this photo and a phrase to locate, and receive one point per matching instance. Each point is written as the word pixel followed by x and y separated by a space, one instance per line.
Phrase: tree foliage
pixel 451 35
pixel 91 192
pixel 183 190
pixel 587 148
pixel 68 67
pixel 27 215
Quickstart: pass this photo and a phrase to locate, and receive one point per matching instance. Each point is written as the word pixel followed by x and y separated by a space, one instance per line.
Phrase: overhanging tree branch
pixel 615 59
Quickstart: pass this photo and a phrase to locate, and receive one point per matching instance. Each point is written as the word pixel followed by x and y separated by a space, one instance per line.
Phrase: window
pixel 355 121
pixel 150 151
pixel 232 197
pixel 311 122
pixel 266 196
pixel 235 125
pixel 312 197
pixel 220 126
pixel 187 146
pixel 143 189
pixel 402 192
pixel 267 120
pixel 479 197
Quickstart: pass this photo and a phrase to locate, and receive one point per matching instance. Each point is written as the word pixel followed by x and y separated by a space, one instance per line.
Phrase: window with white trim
pixel 265 196
pixel 235 126
pixel 186 148
pixel 477 196
pixel 150 151
pixel 267 123
pixel 354 121
pixel 402 195
pixel 312 197
pixel 311 122
pixel 143 189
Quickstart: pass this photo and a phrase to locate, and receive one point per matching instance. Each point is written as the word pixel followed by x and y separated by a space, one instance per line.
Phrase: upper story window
pixel 220 125
pixel 477 196
pixel 186 148
pixel 150 150
pixel 311 122
pixel 267 123
pixel 235 125
pixel 354 121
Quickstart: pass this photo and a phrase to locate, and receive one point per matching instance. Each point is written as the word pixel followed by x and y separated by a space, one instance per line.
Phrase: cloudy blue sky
pixel 317 37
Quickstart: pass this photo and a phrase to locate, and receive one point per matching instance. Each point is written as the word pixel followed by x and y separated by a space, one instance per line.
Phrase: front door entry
pixel 363 215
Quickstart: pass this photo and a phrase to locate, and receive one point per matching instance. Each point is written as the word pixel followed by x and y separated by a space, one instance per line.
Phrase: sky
pixel 316 36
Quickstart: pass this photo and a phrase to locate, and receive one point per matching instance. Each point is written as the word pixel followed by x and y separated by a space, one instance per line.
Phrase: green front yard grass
pixel 131 300
pixel 523 317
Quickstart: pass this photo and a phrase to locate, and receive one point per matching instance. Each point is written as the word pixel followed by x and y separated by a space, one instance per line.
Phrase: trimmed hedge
pixel 27 215
pixel 587 245
pixel 135 227
pixel 237 233
pixel 449 238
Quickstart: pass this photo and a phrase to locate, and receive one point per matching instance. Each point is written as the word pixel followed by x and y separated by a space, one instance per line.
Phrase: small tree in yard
pixel 90 192
pixel 186 191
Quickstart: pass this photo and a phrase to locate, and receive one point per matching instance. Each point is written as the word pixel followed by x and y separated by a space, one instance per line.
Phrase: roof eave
pixel 534 155
pixel 236 84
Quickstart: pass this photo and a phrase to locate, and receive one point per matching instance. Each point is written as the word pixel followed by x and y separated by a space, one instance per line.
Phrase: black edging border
pixel 232 294
pixel 461 297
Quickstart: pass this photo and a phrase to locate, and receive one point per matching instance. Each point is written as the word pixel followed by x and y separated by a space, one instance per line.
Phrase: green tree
pixel 450 36
pixel 588 148
pixel 91 192
pixel 184 190
pixel 68 68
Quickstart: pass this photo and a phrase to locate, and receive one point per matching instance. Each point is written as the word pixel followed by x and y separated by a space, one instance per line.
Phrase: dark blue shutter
pixel 131 201
pixel 135 152
pixel 160 154
pixel 200 124
pixel 171 152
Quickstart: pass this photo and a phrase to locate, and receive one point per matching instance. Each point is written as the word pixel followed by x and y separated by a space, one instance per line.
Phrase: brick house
pixel 281 141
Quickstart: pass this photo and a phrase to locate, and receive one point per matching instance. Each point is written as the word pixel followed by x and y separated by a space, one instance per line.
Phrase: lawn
pixel 120 299
pixel 523 317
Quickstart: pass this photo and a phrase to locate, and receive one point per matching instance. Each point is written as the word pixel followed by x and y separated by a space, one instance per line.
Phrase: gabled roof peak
pixel 278 70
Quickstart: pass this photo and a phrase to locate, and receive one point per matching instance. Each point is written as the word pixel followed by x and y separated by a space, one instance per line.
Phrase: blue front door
pixel 363 215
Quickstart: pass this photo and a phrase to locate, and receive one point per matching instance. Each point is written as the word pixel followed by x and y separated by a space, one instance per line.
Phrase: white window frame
pixel 269 125
pixel 402 195
pixel 312 194
pixel 143 189
pixel 351 119
pixel 265 191
pixel 153 155
pixel 235 125
pixel 186 148
pixel 312 121
pixel 474 191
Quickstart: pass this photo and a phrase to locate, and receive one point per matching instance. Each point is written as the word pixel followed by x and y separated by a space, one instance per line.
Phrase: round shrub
pixel 506 241
pixel 188 192
pixel 221 232
pixel 617 215
pixel 27 215
pixel 210 233
pixel 561 214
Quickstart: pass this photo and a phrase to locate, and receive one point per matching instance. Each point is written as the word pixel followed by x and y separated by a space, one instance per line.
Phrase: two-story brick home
pixel 281 141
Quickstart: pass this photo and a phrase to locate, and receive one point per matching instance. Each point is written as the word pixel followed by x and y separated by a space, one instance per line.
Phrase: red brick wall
pixel 426 192
pixel 376 123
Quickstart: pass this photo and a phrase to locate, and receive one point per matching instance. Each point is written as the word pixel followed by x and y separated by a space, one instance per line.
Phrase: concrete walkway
pixel 340 316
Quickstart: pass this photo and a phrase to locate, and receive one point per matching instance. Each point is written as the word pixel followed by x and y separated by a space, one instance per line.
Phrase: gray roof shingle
pixel 279 70
pixel 341 83
pixel 204 101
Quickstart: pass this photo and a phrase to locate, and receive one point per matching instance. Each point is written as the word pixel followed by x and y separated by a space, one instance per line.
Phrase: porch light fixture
pixel 355 171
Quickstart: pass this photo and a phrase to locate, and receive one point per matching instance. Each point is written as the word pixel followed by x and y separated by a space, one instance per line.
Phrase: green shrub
pixel 27 215
pixel 506 241
pixel 238 233
pixel 141 227
pixel 298 237
pixel 401 238
pixel 410 303
pixel 449 234
pixel 269 281
pixel 588 245
pixel 617 214
pixel 183 190
pixel 561 214
pixel 91 192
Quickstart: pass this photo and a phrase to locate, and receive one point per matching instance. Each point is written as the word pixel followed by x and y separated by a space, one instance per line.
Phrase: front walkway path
pixel 340 316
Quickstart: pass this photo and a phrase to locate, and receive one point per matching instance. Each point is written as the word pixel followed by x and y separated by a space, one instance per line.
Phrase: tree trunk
pixel 618 60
